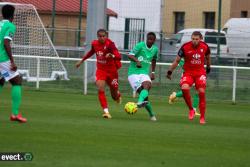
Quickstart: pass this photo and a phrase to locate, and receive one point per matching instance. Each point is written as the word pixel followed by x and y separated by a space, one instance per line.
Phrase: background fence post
pixel 38 73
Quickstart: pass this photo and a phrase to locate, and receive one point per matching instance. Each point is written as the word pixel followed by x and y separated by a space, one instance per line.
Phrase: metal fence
pixel 226 83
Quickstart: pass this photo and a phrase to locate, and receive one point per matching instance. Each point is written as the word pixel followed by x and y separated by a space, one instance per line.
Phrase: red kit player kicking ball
pixel 108 62
pixel 194 53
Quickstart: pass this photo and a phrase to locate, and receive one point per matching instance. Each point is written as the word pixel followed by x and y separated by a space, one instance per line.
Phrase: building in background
pixel 66 18
pixel 135 19
pixel 182 14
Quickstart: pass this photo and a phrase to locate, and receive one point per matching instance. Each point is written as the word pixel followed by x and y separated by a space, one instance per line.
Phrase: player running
pixel 141 56
pixel 194 53
pixel 175 95
pixel 8 68
pixel 108 62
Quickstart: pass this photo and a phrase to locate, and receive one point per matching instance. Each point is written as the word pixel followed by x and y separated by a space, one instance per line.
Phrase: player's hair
pixel 197 33
pixel 8 11
pixel 151 33
pixel 101 30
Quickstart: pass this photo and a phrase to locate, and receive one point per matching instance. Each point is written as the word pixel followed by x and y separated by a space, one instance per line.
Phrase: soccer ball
pixel 130 108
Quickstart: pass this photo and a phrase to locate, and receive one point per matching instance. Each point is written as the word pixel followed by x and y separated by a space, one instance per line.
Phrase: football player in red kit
pixel 108 62
pixel 195 54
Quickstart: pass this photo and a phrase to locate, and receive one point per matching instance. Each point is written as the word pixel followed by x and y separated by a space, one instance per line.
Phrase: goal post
pixel 32 39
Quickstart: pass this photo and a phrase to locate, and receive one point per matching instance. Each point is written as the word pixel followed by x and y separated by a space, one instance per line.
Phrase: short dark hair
pixel 151 33
pixel 101 30
pixel 197 33
pixel 8 11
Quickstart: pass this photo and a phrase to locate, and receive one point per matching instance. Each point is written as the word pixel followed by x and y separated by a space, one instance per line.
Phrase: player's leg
pixel 173 96
pixel 2 81
pixel 195 103
pixel 113 84
pixel 16 95
pixel 135 81
pixel 186 82
pixel 102 97
pixel 148 105
pixel 146 85
pixel 100 84
pixel 200 84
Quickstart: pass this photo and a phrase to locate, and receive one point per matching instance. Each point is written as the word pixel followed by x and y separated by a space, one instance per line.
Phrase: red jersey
pixel 194 57
pixel 101 49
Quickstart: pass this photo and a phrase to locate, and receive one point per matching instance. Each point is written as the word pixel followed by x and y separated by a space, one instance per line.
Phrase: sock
pixel 1 87
pixel 179 94
pixel 187 98
pixel 202 104
pixel 196 100
pixel 16 94
pixel 149 109
pixel 143 95
pixel 102 99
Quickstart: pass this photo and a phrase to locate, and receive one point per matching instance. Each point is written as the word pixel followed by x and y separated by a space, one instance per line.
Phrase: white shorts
pixel 6 72
pixel 136 80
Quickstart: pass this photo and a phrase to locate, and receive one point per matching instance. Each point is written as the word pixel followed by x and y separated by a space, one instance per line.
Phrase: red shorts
pixel 200 80
pixel 110 77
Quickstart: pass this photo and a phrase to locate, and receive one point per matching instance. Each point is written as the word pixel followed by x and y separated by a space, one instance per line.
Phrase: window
pixel 243 14
pixel 134 32
pixel 179 21
pixel 209 20
pixel 212 38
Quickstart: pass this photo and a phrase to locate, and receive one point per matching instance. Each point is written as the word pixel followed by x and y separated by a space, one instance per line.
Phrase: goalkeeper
pixel 175 95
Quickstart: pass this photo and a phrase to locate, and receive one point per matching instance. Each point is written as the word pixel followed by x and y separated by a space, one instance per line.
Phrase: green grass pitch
pixel 67 130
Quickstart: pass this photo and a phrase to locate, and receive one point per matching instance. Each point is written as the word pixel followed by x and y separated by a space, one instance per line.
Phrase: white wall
pixel 150 10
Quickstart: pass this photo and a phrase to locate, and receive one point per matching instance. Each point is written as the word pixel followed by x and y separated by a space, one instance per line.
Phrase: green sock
pixel 16 98
pixel 1 88
pixel 195 100
pixel 149 109
pixel 179 94
pixel 143 95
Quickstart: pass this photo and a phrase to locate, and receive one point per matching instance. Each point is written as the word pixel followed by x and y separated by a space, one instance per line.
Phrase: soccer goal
pixel 31 43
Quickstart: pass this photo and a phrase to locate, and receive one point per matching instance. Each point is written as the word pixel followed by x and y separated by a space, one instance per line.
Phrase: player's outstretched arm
pixel 173 66
pixel 153 65
pixel 208 62
pixel 88 55
pixel 133 58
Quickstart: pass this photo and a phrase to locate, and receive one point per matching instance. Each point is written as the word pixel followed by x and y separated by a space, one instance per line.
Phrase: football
pixel 130 108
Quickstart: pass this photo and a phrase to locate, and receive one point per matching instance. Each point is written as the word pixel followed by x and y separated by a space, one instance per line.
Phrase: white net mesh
pixel 31 39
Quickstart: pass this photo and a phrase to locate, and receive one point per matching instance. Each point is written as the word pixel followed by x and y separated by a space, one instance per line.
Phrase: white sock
pixel 106 110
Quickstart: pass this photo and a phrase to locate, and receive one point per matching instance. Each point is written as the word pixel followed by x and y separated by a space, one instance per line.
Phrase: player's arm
pixel 175 62
pixel 208 61
pixel 114 53
pixel 133 53
pixel 7 39
pixel 86 56
pixel 173 66
pixel 153 65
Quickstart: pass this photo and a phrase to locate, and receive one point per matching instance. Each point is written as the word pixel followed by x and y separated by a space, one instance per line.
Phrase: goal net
pixel 31 43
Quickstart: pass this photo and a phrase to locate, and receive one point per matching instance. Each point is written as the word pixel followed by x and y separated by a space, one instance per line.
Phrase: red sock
pixel 187 98
pixel 102 99
pixel 202 103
